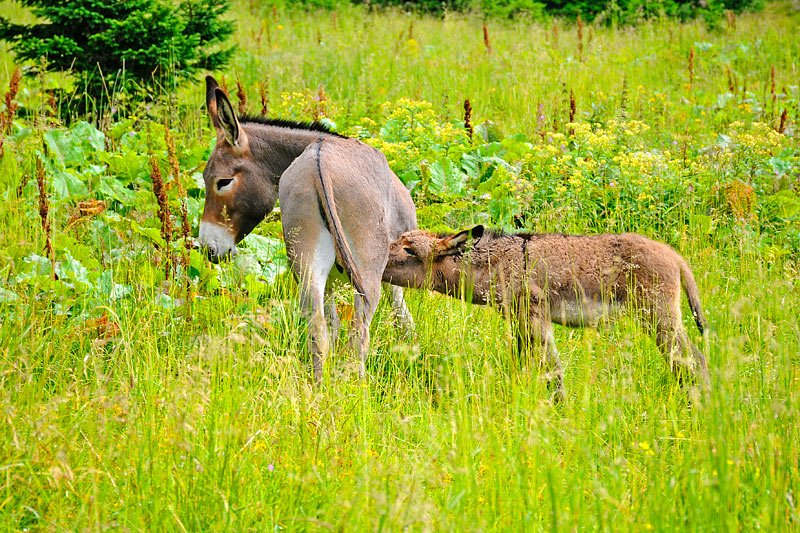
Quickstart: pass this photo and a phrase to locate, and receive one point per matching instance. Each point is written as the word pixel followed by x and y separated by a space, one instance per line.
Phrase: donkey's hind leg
pixel 312 266
pixel 400 309
pixel 363 311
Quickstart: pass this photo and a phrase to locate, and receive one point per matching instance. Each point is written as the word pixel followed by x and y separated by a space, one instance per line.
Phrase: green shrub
pixel 111 46
pixel 622 11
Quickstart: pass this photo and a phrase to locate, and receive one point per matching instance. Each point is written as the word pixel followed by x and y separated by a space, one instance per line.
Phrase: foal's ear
pixel 456 243
pixel 211 100
pixel 228 122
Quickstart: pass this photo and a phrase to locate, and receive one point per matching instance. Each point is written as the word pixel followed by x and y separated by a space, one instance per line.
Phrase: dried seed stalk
pixel 540 121
pixel 44 210
pixel 572 108
pixel 176 179
pixel 262 91
pixel 486 42
pixel 731 80
pixel 319 112
pixel 731 19
pixel 241 96
pixel 772 88
pixel 163 211
pixel 580 39
pixel 11 107
pixel 784 118
pixel 691 68
pixel 468 117
pixel 623 99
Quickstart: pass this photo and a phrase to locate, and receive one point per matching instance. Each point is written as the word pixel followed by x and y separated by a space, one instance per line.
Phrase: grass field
pixel 130 400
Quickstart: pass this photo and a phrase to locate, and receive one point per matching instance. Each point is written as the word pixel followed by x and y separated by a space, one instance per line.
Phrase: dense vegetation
pixel 122 47
pixel 145 388
pixel 601 11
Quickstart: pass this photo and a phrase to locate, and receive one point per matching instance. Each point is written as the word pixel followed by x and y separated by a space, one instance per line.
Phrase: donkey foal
pixel 570 280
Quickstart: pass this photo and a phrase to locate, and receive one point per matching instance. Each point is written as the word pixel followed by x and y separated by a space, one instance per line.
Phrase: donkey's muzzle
pixel 217 241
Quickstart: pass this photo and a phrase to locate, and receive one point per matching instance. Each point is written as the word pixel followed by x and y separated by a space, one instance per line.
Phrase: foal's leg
pixel 400 309
pixel 537 334
pixel 684 358
pixel 332 315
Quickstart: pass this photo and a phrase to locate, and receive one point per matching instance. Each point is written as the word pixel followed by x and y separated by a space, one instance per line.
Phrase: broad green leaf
pixel 262 256
pixel 88 136
pixel 66 150
pixel 106 286
pixel 67 185
pixel 7 295
pixel 71 269
pixel 446 179
pixel 112 188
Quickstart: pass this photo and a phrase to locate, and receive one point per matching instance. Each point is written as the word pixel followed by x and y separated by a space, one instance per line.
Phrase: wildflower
pixel 271 467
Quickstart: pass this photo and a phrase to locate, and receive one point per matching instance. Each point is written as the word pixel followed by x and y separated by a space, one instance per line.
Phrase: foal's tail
pixel 693 295
pixel 328 204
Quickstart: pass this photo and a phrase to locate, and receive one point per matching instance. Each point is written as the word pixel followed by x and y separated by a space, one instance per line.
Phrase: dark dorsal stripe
pixel 291 124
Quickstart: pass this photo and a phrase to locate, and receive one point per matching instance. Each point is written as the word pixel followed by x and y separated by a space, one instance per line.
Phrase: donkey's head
pixel 417 255
pixel 238 196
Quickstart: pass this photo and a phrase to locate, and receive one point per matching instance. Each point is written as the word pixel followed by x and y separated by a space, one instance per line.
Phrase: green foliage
pixel 109 45
pixel 621 11
pixel 631 10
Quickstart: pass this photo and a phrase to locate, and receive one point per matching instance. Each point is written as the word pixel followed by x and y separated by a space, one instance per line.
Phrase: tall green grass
pixel 203 417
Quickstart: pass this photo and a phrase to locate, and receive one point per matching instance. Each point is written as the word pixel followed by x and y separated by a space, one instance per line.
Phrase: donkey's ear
pixel 211 100
pixel 456 243
pixel 228 122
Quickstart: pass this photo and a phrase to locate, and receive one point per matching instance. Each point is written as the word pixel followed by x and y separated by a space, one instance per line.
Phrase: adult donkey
pixel 340 204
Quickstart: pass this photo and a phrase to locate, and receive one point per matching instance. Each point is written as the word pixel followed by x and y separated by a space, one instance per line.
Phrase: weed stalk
pixel 241 96
pixel 11 108
pixel 263 91
pixel 163 212
pixel 783 120
pixel 467 118
pixel 44 214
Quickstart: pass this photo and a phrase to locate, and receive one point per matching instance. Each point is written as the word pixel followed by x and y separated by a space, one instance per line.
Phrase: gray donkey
pixel 340 204
pixel 570 280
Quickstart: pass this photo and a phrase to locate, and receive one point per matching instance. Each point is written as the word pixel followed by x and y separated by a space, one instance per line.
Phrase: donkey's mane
pixel 493 233
pixel 291 124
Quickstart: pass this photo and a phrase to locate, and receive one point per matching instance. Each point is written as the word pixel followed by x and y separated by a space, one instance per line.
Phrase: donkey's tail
pixel 693 295
pixel 328 204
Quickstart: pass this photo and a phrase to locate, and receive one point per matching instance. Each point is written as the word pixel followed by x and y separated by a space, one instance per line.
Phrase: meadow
pixel 148 389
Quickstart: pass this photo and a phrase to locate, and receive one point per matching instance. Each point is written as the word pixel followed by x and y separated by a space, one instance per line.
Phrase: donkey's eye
pixel 410 251
pixel 224 182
